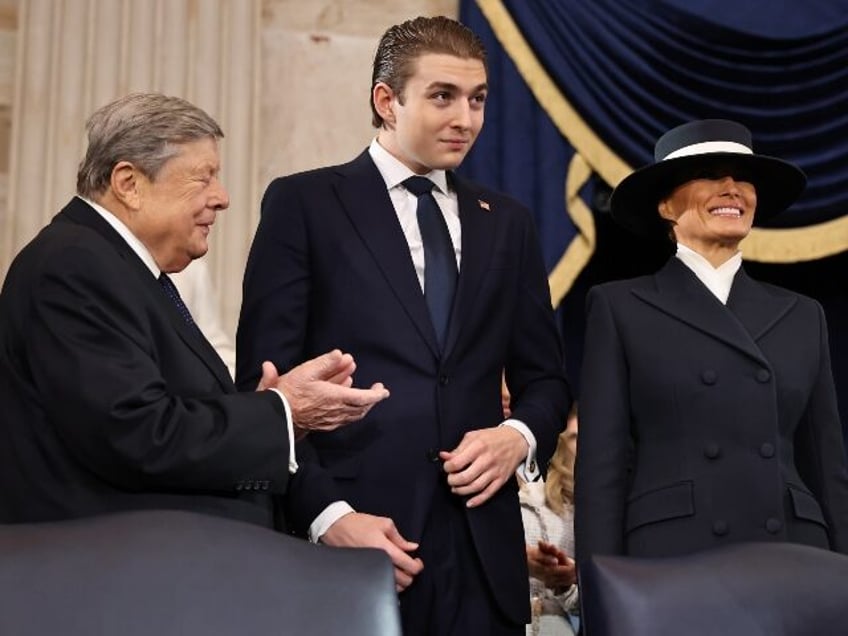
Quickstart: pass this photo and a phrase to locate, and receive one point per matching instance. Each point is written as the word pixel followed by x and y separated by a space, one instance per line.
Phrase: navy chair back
pixel 169 573
pixel 754 589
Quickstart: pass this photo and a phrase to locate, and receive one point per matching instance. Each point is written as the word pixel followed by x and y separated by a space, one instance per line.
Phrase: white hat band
pixel 706 147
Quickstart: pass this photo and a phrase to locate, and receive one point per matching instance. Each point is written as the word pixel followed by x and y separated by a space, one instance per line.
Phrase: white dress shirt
pixel 719 279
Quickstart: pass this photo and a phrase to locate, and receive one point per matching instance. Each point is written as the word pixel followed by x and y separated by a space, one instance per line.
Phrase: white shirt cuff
pixel 529 470
pixel 290 427
pixel 328 517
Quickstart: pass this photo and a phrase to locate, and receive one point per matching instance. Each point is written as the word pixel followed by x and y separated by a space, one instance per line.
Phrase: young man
pixel 437 293
pixel 113 400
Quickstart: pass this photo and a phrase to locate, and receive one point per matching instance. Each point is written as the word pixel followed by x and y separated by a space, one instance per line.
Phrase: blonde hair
pixel 559 482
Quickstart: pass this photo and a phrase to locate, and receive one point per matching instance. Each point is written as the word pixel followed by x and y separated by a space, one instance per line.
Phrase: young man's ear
pixel 125 184
pixel 384 102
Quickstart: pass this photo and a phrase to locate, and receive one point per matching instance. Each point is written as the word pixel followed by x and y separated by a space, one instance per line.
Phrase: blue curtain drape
pixel 581 89
pixel 631 70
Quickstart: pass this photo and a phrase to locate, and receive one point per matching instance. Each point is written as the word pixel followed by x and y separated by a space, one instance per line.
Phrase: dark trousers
pixel 451 596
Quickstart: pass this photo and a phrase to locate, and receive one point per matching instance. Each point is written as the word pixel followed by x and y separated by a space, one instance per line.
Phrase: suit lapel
pixel 680 294
pixel 476 219
pixel 755 307
pixel 191 336
pixel 363 195
pixel 78 211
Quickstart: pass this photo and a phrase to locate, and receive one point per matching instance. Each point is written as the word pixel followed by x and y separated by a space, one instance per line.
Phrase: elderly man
pixel 113 399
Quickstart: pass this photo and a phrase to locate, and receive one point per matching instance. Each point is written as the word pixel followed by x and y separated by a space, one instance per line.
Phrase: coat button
pixel 720 528
pixel 763 375
pixel 773 526
pixel 432 455
pixel 767 450
pixel 709 377
pixel 444 380
pixel 712 450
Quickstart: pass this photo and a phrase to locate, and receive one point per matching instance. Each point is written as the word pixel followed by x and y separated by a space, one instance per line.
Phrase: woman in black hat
pixel 707 409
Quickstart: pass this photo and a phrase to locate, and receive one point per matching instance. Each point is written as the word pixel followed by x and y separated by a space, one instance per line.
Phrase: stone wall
pixel 8 28
pixel 318 55
pixel 287 79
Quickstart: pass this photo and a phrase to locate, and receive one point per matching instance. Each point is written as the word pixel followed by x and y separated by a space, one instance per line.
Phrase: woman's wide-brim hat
pixel 703 148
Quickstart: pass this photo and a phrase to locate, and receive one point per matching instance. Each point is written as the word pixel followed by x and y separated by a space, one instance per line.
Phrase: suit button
pixel 773 526
pixel 763 375
pixel 712 450
pixel 432 455
pixel 443 380
pixel 720 528
pixel 767 450
pixel 709 377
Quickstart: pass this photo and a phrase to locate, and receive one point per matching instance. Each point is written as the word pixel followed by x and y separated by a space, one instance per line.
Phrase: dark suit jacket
pixel 111 401
pixel 330 267
pixel 703 424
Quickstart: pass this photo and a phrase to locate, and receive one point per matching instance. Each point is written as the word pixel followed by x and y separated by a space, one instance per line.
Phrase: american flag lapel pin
pixel 484 205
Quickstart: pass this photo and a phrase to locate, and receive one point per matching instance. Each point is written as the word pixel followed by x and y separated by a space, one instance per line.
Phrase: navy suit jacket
pixel 703 424
pixel 111 401
pixel 330 268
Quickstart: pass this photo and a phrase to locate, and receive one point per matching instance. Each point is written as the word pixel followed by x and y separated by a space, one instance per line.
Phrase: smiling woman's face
pixel 711 212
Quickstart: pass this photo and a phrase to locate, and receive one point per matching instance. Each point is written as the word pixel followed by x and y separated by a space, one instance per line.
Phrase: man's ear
pixel 384 102
pixel 665 210
pixel 125 184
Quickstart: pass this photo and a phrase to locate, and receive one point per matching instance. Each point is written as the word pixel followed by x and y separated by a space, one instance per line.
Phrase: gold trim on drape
pixel 764 245
pixel 581 248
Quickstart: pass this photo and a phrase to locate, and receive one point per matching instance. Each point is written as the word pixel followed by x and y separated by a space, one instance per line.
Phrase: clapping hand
pixel 551 565
pixel 320 392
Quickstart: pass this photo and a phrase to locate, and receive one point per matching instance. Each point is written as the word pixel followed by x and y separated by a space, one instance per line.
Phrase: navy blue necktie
pixel 174 295
pixel 439 256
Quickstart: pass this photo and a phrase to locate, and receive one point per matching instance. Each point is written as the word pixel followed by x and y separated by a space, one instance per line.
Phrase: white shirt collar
pixel 136 245
pixel 717 279
pixel 394 172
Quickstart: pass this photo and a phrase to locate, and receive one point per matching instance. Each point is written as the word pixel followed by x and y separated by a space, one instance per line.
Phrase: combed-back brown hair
pixel 402 44
pixel 142 128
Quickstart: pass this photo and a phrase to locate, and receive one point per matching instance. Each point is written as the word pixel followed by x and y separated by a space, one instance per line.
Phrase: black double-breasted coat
pixel 703 423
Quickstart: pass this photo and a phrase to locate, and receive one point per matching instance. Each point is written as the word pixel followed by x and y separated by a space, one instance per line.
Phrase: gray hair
pixel 142 128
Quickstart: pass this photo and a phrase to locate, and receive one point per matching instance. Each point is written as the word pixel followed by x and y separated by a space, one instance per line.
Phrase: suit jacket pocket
pixel 806 506
pixel 660 504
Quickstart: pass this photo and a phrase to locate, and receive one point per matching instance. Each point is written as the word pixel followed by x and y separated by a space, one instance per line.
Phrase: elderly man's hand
pixel 320 392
